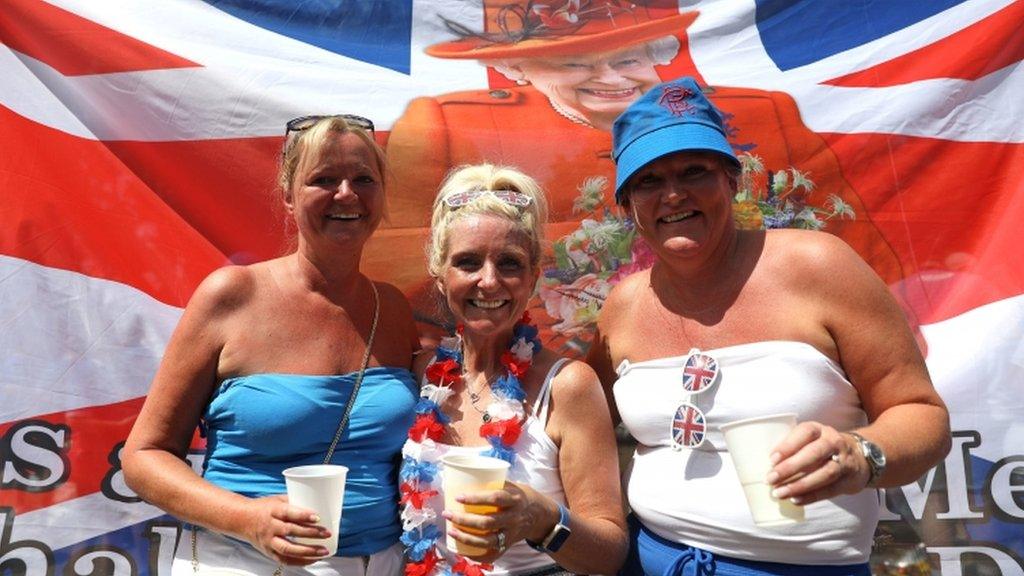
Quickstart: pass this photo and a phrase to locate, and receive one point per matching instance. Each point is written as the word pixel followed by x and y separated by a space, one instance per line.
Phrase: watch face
pixel 877 455
pixel 558 538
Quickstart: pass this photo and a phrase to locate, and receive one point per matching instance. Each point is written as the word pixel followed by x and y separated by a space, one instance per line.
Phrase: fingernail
pixel 460 498
pixel 774 458
pixel 446 515
pixel 772 477
pixel 314 517
pixel 780 493
pixel 322 551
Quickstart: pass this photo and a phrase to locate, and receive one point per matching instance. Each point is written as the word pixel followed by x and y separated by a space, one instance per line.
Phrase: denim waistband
pixel 652 555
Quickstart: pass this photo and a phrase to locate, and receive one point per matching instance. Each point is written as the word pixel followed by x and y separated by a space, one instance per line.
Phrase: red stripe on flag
pixel 980 49
pixel 78 207
pixel 947 209
pixel 93 434
pixel 76 46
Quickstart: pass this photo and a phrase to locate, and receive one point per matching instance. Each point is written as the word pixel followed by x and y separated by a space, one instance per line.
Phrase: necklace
pixel 419 475
pixel 571 115
pixel 474 396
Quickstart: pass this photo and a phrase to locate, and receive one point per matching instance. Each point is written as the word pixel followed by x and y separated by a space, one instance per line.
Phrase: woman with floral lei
pixel 492 389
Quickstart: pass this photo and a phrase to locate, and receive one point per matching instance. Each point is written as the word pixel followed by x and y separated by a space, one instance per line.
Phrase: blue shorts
pixel 652 555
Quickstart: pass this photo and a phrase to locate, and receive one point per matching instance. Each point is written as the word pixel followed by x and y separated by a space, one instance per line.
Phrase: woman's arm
pixel 907 418
pixel 581 426
pixel 154 454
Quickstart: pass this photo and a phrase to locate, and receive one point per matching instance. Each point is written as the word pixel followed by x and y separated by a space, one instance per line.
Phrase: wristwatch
pixel 558 535
pixel 873 454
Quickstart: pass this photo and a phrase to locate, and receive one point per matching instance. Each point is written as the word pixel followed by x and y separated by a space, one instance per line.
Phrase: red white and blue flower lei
pixel 419 477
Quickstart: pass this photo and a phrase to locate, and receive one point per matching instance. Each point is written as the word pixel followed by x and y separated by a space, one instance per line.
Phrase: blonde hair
pixel 486 177
pixel 303 147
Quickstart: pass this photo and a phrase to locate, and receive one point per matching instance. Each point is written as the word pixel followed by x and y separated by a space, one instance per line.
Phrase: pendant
pixel 487 417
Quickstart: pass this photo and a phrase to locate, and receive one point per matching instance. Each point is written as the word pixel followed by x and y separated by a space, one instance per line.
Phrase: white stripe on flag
pixel 976 361
pixel 249 83
pixel 71 341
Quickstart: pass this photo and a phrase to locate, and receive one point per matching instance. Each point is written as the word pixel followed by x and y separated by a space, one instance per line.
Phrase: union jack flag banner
pixel 139 148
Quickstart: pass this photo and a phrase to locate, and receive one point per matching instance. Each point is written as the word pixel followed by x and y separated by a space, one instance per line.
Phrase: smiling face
pixel 682 204
pixel 338 196
pixel 487 278
pixel 597 86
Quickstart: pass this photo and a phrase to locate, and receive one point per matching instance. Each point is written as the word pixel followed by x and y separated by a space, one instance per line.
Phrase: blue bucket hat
pixel 671 117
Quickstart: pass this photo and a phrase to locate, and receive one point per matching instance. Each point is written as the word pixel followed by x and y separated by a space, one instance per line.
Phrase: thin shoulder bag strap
pixel 344 418
pixel 359 377
pixel 543 402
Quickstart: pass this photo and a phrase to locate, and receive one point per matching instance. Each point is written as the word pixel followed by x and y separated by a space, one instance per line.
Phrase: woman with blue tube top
pixel 266 359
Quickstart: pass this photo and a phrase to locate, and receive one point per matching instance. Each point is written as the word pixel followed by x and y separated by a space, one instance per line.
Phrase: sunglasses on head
pixel 460 199
pixel 305 122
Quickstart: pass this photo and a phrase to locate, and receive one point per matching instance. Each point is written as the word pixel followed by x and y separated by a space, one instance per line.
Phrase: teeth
pixel 677 217
pixel 611 93
pixel 489 304
pixel 343 216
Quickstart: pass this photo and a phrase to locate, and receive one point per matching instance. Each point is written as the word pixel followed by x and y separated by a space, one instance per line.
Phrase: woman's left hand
pixel 816 462
pixel 518 513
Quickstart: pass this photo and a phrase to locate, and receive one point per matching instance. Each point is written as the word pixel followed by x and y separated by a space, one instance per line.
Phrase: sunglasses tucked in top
pixel 305 122
pixel 460 199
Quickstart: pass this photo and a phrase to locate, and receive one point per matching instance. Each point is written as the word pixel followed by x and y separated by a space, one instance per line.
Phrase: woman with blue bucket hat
pixel 731 325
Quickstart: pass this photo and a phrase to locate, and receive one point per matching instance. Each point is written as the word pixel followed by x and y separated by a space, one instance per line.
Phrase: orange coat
pixel 518 126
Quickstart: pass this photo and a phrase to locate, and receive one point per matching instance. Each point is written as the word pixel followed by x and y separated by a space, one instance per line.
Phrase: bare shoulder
pixel 226 290
pixel 393 298
pixel 815 260
pixel 575 380
pixel 622 297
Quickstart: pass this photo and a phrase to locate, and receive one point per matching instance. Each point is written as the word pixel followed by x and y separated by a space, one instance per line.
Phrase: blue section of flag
pixel 136 544
pixel 377 32
pixel 997 528
pixel 798 33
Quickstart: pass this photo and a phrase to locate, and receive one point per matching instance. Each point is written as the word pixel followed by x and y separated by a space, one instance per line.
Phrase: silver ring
pixel 501 541
pixel 834 457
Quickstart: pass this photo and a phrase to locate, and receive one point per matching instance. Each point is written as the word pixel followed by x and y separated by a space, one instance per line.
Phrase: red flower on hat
pixel 567 15
pixel 426 426
pixel 508 430
pixel 439 373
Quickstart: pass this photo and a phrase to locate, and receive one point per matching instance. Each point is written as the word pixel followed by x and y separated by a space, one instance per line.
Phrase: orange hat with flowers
pixel 532 28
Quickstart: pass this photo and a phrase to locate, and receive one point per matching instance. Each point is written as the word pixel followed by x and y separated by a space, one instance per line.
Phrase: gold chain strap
pixel 341 426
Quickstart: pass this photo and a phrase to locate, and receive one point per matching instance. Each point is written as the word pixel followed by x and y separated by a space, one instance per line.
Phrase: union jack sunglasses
pixel 306 122
pixel 689 426
pixel 460 199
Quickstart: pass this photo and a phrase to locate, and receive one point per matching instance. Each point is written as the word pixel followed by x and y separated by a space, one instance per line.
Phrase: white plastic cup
pixel 320 488
pixel 750 443
pixel 466 473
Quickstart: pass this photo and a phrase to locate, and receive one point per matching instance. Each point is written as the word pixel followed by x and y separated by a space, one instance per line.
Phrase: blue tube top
pixel 260 424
